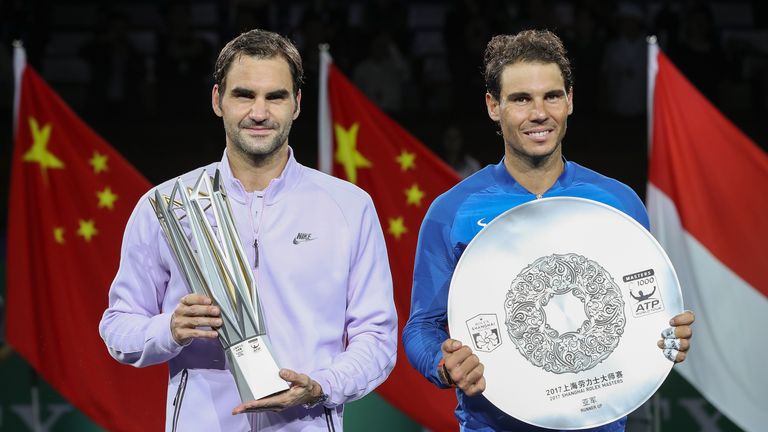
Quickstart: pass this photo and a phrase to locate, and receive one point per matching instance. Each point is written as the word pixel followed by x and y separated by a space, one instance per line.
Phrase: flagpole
pixel 19 62
pixel 653 68
pixel 325 157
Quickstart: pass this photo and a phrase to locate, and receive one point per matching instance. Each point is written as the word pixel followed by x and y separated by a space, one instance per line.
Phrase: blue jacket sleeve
pixel 427 325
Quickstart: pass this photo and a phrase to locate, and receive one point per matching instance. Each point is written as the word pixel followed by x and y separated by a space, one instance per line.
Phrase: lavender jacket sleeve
pixel 136 325
pixel 371 320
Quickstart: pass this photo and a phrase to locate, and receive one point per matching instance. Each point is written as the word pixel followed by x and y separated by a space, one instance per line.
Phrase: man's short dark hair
pixel 540 46
pixel 260 44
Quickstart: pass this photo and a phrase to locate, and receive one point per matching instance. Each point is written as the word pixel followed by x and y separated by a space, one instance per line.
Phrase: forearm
pixel 421 342
pixel 370 320
pixel 363 366
pixel 134 327
pixel 138 340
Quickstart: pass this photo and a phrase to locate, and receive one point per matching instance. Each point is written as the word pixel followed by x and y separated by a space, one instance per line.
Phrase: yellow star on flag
pixel 406 160
pixel 397 227
pixel 106 198
pixel 99 162
pixel 414 195
pixel 58 235
pixel 87 229
pixel 39 151
pixel 346 151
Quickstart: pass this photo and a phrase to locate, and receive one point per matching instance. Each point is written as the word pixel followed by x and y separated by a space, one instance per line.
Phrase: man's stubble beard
pixel 260 155
pixel 536 161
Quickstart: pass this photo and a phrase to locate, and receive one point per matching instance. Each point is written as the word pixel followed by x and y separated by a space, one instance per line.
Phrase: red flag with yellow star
pixel 364 146
pixel 71 196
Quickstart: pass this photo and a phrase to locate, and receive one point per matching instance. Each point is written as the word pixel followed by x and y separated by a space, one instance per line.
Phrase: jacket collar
pixel 276 189
pixel 509 184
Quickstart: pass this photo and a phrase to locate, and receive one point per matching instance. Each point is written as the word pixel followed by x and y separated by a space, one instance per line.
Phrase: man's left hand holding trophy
pixel 196 311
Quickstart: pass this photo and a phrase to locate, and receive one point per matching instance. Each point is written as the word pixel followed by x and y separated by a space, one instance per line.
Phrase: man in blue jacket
pixel 530 96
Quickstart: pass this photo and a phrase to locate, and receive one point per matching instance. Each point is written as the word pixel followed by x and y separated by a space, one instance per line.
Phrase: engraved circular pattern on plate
pixel 572 351
pixel 549 227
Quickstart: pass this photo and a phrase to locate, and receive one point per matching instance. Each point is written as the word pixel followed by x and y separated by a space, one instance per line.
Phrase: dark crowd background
pixel 139 72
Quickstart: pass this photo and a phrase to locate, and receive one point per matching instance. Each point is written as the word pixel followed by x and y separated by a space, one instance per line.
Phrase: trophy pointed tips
pixel 178 188
pixel 202 187
pixel 217 183
pixel 158 201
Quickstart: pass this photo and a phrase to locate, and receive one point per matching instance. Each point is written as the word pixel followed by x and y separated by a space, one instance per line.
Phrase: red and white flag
pixel 361 144
pixel 708 206
pixel 71 196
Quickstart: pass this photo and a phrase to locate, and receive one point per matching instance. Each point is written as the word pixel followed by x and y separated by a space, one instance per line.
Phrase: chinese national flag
pixel 71 196
pixel 362 145
pixel 708 206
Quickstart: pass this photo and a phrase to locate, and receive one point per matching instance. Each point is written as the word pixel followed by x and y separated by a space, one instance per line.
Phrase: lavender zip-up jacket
pixel 323 277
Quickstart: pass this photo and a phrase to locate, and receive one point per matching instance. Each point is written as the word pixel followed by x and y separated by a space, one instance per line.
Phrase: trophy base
pixel 254 368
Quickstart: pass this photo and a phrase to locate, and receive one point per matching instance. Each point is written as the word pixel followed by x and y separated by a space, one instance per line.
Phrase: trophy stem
pixel 213 262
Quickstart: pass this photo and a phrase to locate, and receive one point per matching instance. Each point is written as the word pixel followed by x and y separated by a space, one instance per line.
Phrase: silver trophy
pixel 563 300
pixel 214 264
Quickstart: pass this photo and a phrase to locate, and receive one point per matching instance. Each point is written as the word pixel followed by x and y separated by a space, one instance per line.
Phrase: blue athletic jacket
pixel 452 221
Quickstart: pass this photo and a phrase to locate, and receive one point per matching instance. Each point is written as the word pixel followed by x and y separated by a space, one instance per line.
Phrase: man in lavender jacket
pixel 315 246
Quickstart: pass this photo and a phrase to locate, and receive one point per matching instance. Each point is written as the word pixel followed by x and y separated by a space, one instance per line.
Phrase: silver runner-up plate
pixel 563 300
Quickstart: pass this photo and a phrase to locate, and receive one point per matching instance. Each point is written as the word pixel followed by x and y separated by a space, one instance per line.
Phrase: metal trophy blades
pixel 214 264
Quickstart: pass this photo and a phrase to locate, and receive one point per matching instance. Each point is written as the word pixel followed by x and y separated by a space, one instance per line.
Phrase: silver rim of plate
pixel 563 300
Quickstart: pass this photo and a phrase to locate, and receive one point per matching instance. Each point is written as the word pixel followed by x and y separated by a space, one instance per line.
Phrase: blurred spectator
pixel 455 153
pixel 586 45
pixel 30 22
pixel 466 33
pixel 308 37
pixel 6 79
pixel 390 16
pixel 698 54
pixel 182 61
pixel 382 74
pixel 667 25
pixel 253 14
pixel 538 14
pixel 604 12
pixel 318 26
pixel 117 68
pixel 625 64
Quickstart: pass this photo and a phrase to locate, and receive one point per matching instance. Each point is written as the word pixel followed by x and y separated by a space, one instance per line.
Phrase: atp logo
pixel 255 345
pixel 644 289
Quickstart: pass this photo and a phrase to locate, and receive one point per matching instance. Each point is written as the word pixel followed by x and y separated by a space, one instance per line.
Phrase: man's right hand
pixel 464 367
pixel 194 311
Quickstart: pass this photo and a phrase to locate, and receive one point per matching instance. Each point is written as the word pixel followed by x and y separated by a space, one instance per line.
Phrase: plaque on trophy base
pixel 563 300
pixel 251 364
pixel 214 264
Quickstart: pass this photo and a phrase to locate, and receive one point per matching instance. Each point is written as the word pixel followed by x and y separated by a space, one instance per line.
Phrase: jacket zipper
pixel 256 253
